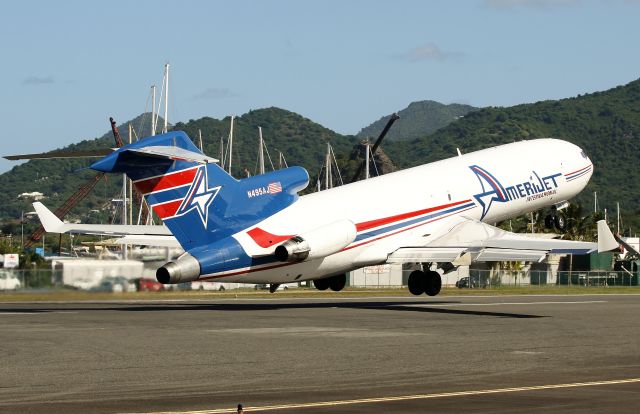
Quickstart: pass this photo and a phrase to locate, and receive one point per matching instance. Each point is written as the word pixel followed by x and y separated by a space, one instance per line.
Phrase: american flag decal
pixel 274 188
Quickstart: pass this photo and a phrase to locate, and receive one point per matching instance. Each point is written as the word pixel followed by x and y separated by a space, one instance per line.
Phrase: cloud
pixel 214 93
pixel 428 51
pixel 37 80
pixel 535 4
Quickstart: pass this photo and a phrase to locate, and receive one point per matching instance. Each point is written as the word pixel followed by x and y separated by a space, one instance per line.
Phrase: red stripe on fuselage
pixel 265 239
pixel 380 222
pixel 384 236
pixel 163 182
pixel 250 270
pixel 581 169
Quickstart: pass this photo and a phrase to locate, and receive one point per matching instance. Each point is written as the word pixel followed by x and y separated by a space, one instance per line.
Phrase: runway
pixel 499 354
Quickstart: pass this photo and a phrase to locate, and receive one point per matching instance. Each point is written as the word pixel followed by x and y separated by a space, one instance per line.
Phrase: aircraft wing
pixel 468 240
pixel 52 224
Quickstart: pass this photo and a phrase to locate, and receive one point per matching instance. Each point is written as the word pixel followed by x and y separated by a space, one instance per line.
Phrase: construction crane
pixel 394 117
pixel 139 197
pixel 66 207
pixel 76 197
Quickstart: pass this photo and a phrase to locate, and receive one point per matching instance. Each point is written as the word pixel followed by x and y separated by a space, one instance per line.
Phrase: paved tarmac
pixel 522 354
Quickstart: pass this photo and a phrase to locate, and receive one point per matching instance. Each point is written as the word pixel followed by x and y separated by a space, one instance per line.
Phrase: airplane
pixel 260 230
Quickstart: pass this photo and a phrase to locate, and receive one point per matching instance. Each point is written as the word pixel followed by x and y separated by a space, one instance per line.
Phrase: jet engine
pixel 185 269
pixel 320 242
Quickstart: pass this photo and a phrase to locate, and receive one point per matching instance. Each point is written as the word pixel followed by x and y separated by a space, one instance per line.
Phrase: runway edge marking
pixel 404 397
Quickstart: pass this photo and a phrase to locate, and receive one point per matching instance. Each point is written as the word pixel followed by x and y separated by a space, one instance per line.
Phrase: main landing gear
pixel 428 282
pixel 335 283
pixel 557 220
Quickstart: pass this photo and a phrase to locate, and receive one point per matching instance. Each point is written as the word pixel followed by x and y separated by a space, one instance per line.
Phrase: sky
pixel 67 66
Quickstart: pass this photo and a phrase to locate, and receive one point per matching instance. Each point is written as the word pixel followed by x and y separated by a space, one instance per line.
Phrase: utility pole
pixel 532 230
pixel 130 182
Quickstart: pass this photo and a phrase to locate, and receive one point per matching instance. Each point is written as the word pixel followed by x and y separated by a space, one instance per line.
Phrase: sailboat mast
pixel 166 98
pixel 260 152
pixel 366 168
pixel 230 145
pixel 153 110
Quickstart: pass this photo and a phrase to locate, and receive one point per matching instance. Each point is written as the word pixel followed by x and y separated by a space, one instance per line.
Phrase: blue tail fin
pixel 199 202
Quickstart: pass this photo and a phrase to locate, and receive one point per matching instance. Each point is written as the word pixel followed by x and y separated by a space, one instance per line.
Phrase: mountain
pixel 417 120
pixel 58 179
pixel 605 124
pixel 302 142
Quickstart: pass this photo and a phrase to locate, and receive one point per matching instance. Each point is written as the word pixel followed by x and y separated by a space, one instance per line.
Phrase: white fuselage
pixel 402 208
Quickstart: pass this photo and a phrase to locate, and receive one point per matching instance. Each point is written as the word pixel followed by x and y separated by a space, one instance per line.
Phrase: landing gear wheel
pixel 321 284
pixel 560 222
pixel 416 282
pixel 549 221
pixel 432 283
pixel 337 283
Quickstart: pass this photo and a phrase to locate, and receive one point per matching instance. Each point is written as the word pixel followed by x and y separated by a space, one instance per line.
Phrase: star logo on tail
pixel 199 197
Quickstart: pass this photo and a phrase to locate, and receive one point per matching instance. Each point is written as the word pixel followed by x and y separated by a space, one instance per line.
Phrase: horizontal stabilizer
pixel 61 154
pixel 174 153
pixel 53 224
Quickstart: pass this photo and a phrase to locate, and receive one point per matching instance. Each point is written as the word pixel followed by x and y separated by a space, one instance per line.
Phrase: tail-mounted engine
pixel 185 269
pixel 321 242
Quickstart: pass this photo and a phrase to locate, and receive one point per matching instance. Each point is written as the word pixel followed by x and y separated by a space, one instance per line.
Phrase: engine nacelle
pixel 185 269
pixel 320 242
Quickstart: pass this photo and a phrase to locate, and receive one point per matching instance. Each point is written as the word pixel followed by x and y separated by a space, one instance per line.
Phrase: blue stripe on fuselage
pixel 393 227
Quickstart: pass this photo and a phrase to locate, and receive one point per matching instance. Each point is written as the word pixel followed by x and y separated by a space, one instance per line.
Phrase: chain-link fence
pixel 16 279
pixel 385 277
pixel 498 278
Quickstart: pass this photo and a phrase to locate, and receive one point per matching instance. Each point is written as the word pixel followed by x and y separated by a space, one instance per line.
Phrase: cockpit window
pixel 584 154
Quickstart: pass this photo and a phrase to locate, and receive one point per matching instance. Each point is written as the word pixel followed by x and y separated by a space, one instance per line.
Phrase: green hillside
pixel 605 124
pixel 302 142
pixel 417 120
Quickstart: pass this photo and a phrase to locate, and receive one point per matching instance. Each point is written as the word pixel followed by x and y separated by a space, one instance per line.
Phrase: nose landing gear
pixel 555 220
